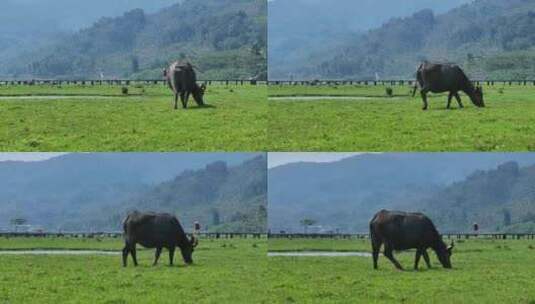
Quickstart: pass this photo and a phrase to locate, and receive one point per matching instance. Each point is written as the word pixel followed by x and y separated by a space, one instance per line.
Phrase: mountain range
pixel 225 39
pixel 490 39
pixel 88 192
pixel 454 189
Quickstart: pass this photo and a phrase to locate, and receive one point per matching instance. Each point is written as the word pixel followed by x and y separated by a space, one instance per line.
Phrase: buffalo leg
pixel 171 256
pixel 414 90
pixel 424 98
pixel 426 258
pixel 389 255
pixel 176 101
pixel 126 250
pixel 417 258
pixel 449 101
pixel 157 255
pixel 458 100
pixel 134 254
pixel 376 247
pixel 183 100
pixel 186 99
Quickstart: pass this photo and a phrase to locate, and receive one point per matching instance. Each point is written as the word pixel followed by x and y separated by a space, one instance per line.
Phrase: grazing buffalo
pixel 440 78
pixel 156 230
pixel 402 231
pixel 182 81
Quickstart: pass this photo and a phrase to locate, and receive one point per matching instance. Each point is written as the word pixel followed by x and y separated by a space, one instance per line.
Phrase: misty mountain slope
pixel 224 38
pixel 344 195
pixel 502 199
pixel 222 198
pixel 28 25
pixel 65 191
pixel 303 33
pixel 489 38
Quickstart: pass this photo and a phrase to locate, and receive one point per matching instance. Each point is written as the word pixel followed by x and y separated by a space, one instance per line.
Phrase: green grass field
pixel 224 271
pixel 373 122
pixel 99 118
pixel 484 271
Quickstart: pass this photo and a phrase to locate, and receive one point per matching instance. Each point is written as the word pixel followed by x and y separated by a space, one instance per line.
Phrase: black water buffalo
pixel 440 78
pixel 402 231
pixel 156 230
pixel 182 80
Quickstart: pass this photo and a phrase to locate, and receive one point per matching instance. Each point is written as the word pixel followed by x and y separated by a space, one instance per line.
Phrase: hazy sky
pixel 27 156
pixel 276 159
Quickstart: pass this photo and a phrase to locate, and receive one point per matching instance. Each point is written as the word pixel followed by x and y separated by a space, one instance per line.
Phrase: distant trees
pixel 17 222
pixel 306 223
pixel 115 46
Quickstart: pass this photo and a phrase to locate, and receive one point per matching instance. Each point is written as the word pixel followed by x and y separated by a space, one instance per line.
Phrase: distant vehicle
pixel 440 78
pixel 182 80
pixel 156 230
pixel 401 231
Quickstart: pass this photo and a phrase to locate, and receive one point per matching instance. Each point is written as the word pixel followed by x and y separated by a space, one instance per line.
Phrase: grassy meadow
pixel 224 271
pixel 101 118
pixel 484 271
pixel 363 118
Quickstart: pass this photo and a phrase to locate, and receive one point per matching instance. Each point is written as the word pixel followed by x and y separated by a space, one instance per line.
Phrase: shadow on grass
pixel 204 107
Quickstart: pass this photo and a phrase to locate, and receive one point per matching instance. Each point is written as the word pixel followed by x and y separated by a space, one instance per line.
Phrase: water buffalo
pixel 440 78
pixel 156 230
pixel 182 81
pixel 402 231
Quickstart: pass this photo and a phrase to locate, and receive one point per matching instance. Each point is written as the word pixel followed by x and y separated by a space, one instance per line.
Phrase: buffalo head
pixel 188 248
pixel 198 94
pixel 477 99
pixel 444 254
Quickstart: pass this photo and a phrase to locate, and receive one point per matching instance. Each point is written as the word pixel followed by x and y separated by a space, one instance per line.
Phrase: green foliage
pixel 236 194
pixel 224 271
pixel 483 271
pixel 499 199
pixel 98 118
pixel 398 124
pixel 490 39
pixel 226 39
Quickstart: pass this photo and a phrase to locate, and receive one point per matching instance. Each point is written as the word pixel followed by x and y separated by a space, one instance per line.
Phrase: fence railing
pixel 123 82
pixel 245 235
pixel 116 82
pixel 90 235
pixel 409 82
pixel 459 236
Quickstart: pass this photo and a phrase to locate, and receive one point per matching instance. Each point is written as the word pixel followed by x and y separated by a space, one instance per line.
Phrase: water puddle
pixel 327 97
pixel 52 97
pixel 58 252
pixel 319 254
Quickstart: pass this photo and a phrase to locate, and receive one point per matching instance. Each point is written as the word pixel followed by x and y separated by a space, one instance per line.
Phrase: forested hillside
pixel 88 192
pixel 304 33
pixel 223 38
pixel 491 39
pixel 498 200
pixel 454 189
pixel 220 197
pixel 26 26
